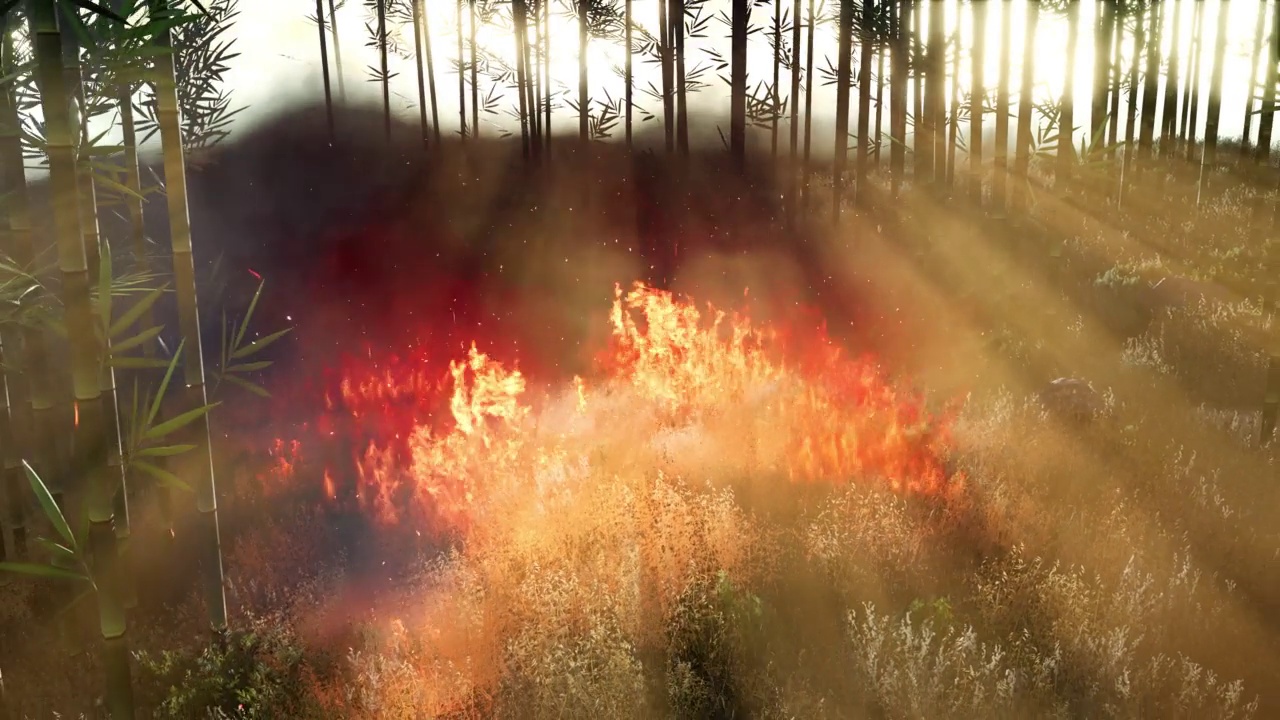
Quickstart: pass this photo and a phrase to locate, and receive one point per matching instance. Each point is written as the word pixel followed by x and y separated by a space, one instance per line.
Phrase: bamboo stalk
pixel 168 114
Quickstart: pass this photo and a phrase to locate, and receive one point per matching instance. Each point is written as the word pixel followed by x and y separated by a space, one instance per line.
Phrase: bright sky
pixel 279 58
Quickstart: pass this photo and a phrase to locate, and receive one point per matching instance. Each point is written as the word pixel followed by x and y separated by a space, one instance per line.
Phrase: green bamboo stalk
pixel 12 187
pixel 90 432
pixel 137 237
pixel 35 397
pixel 168 114
pixel 13 543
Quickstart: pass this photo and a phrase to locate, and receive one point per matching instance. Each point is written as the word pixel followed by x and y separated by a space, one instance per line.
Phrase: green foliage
pixel 234 359
pixel 145 436
pixel 257 674
pixel 65 556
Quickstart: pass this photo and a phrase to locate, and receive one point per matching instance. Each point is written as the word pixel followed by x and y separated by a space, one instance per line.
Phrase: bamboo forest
pixel 891 359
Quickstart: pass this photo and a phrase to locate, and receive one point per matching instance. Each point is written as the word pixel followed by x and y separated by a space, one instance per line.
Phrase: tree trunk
pixel 1131 117
pixel 383 51
pixel 976 99
pixel 1000 179
pixel 324 65
pixel 1256 56
pixel 682 94
pixel 1169 121
pixel 546 70
pixel 918 70
pixel 668 79
pixel 462 78
pixel 526 118
pixel 532 66
pixel 91 437
pixel 1104 30
pixel 866 50
pixel 1066 123
pixel 431 74
pixel 808 101
pixel 953 116
pixel 1022 153
pixel 1192 116
pixel 738 84
pixel 15 415
pixel 898 81
pixel 1113 85
pixel 931 144
pixel 628 74
pixel 794 125
pixel 175 177
pixel 878 133
pixel 1209 155
pixel 1151 87
pixel 777 78
pixel 337 51
pixel 475 70
pixel 584 126
pixel 38 391
pixel 418 66
pixel 530 80
pixel 844 62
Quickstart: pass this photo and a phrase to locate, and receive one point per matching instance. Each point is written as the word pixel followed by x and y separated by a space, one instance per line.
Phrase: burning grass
pixel 724 521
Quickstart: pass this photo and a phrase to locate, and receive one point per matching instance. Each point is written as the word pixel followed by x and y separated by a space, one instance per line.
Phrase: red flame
pixel 442 448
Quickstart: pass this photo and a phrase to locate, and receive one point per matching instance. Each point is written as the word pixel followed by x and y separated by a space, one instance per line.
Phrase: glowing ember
pixel 678 390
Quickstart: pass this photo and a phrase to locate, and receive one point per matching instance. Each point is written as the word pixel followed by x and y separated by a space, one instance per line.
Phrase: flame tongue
pixel 678 389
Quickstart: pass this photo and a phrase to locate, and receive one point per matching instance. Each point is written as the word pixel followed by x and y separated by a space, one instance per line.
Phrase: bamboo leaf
pixel 248 315
pixel 132 314
pixel 251 387
pixel 164 451
pixel 137 340
pixel 164 477
pixel 164 385
pixel 259 344
pixel 178 422
pixel 58 550
pixel 43 571
pixel 250 367
pixel 51 509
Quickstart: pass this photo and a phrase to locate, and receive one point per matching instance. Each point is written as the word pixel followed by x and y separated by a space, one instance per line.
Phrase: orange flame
pixel 776 398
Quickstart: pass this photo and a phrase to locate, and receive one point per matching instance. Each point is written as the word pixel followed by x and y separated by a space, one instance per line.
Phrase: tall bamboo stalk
pixel 628 73
pixel 324 67
pixel 584 128
pixel 1022 152
pixel 13 216
pixel 337 51
pixel 462 78
pixel 91 441
pixel 866 48
pixel 168 114
pixel 794 125
pixel 1209 154
pixel 1259 27
pixel 844 62
pixel 808 101
pixel 1066 122
pixel 977 97
pixel 999 181
pixel 475 71
pixel 898 83
pixel 416 19
pixel 431 75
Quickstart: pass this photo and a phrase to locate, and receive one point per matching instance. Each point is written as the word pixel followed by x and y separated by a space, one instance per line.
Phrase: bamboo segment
pixel 90 418
pixel 168 114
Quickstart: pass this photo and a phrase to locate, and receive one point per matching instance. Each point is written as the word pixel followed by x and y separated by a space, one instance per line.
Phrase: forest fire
pixel 678 389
